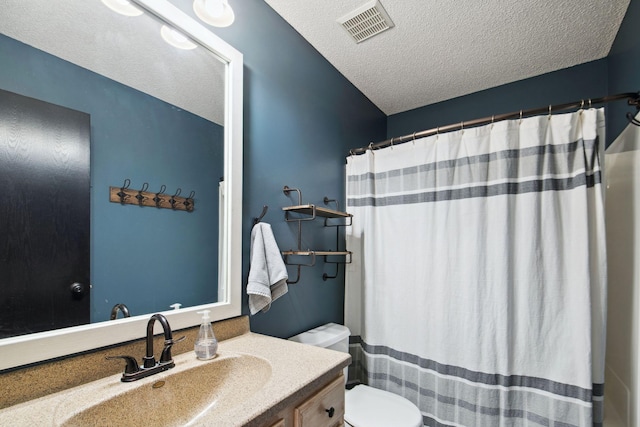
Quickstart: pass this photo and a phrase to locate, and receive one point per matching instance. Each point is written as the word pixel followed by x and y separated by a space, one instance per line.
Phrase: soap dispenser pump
pixel 206 345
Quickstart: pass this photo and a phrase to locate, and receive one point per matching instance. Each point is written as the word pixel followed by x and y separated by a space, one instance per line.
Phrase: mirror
pixel 223 280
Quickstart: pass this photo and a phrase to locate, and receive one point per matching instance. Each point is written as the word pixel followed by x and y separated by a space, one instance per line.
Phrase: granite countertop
pixel 250 396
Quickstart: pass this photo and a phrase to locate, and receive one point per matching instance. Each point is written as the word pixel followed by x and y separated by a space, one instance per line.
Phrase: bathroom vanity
pixel 324 407
pixel 255 380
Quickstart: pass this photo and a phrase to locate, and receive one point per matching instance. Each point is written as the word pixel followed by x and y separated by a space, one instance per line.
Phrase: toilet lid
pixel 369 407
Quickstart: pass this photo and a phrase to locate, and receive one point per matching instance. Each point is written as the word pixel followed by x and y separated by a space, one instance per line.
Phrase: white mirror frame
pixel 27 349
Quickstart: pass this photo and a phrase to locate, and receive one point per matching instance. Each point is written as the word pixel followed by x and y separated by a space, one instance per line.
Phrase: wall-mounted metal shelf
pixel 314 211
pixel 317 253
pixel 309 212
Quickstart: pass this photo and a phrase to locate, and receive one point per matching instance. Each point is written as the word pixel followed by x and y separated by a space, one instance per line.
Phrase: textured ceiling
pixel 126 49
pixel 441 49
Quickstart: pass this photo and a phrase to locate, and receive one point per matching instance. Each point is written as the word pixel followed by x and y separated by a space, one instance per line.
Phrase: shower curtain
pixel 477 285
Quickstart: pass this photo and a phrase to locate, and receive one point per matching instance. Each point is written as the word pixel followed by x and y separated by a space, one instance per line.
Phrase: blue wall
pixel 301 117
pixel 166 145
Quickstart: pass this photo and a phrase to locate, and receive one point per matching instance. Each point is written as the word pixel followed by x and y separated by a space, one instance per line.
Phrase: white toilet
pixel 364 406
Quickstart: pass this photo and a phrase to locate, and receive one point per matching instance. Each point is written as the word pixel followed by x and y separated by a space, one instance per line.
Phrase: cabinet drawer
pixel 323 409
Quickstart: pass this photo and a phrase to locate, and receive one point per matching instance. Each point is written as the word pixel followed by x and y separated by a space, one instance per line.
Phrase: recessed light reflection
pixel 123 7
pixel 176 39
pixel 214 12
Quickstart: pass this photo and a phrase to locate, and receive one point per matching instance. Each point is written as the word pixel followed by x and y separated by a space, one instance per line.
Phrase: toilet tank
pixel 331 336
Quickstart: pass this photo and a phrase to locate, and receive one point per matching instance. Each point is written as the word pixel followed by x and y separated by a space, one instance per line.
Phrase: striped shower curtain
pixel 478 284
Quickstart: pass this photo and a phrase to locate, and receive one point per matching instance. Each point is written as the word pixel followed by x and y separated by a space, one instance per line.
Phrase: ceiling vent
pixel 366 21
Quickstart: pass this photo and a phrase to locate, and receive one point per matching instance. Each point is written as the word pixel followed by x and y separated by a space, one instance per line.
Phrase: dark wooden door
pixel 44 215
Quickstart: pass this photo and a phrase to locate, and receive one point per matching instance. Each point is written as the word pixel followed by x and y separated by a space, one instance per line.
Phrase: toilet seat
pixel 369 407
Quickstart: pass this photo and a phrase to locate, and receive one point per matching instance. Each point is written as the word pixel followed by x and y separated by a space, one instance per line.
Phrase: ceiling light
pixel 214 12
pixel 176 38
pixel 123 7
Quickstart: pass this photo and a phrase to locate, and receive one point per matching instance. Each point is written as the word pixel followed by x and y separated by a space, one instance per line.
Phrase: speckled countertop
pixel 252 379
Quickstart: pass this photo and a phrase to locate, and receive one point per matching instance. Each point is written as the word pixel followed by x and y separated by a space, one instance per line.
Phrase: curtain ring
pixel 589 102
pixel 392 143
pixel 371 147
pixel 549 111
pixel 414 138
pixel 582 104
pixel 520 115
pixel 462 125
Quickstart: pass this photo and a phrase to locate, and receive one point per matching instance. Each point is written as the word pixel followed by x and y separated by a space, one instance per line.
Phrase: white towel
pixel 267 274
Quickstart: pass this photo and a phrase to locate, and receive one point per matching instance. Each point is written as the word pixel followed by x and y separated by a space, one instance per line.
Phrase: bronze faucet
pixel 119 307
pixel 133 371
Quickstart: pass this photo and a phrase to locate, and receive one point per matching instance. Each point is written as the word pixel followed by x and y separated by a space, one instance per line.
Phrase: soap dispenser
pixel 206 344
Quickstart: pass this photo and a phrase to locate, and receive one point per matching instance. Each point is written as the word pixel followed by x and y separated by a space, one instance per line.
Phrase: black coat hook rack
pixel 128 196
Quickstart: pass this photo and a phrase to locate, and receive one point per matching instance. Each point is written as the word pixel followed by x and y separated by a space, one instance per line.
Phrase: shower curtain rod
pixel 633 99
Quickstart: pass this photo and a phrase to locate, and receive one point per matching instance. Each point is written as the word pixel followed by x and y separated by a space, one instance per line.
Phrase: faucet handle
pixel 132 364
pixel 172 341
pixel 166 351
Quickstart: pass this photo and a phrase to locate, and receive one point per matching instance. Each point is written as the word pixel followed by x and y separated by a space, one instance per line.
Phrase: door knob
pixel 77 289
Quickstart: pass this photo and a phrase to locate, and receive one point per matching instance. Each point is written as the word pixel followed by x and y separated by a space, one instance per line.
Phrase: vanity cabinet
pixel 323 407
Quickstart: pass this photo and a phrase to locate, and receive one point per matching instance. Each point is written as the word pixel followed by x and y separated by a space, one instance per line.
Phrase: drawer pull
pixel 331 411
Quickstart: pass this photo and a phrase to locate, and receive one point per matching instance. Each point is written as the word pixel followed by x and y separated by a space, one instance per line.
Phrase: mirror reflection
pixel 141 110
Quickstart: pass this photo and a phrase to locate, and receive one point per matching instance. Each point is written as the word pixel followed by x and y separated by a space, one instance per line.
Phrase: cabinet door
pixel 323 409
pixel 279 423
